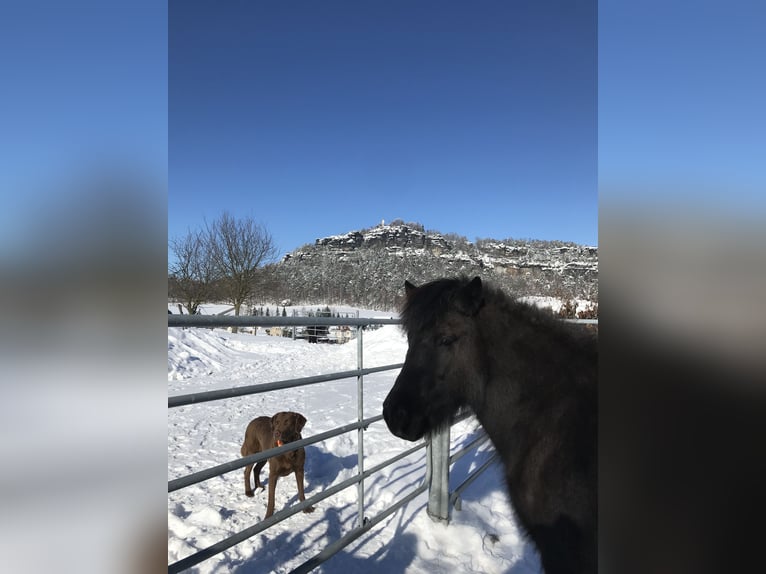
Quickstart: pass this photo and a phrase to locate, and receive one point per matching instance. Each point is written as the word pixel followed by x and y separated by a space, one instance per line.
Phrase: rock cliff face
pixel 386 236
pixel 368 267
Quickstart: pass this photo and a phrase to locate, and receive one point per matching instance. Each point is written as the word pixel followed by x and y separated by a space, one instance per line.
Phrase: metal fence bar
pixel 455 496
pixel 243 535
pixel 360 416
pixel 205 396
pixel 335 547
pixel 473 444
pixel 209 321
pixel 214 471
pixel 438 477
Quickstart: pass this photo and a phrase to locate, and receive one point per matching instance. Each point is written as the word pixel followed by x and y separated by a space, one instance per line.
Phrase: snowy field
pixel 482 537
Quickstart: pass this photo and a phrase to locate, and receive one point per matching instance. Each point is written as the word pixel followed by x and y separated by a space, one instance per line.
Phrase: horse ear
pixel 470 299
pixel 409 288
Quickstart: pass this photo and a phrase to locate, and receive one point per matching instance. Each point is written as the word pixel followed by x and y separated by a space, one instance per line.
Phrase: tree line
pixel 220 262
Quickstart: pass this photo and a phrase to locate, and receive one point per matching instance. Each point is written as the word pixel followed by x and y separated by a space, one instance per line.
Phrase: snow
pixel 482 537
pixel 555 304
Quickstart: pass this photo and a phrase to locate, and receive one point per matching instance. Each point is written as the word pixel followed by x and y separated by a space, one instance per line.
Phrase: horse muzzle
pixel 401 422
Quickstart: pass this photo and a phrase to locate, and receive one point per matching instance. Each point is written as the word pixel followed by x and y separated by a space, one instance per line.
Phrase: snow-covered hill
pixel 368 267
pixel 411 240
pixel 482 537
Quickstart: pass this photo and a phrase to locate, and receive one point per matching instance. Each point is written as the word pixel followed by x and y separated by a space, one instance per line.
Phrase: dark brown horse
pixel 531 381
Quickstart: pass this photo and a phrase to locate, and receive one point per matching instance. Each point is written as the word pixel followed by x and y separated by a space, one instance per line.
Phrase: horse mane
pixel 422 307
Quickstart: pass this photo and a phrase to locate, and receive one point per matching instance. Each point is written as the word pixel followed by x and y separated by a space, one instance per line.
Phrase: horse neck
pixel 509 401
pixel 504 326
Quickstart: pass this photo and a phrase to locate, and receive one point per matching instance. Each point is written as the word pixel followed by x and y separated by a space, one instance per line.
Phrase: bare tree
pixel 193 271
pixel 238 247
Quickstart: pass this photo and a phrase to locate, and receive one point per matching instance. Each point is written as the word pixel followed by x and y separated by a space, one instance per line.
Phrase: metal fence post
pixel 360 415
pixel 438 475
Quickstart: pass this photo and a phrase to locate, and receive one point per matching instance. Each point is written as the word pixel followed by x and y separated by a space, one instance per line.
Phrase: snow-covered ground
pixel 555 304
pixel 482 537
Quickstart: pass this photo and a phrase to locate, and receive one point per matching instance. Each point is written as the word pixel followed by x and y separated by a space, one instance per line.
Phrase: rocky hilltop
pixel 368 267
pixel 502 256
pixel 394 236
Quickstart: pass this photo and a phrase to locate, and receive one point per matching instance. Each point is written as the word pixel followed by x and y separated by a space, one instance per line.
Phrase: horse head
pixel 443 368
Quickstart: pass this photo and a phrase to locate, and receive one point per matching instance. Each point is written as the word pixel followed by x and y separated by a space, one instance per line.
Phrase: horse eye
pixel 447 340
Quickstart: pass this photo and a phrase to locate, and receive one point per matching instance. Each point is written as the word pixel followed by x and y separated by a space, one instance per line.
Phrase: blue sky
pixel 681 102
pixel 473 118
pixel 477 119
pixel 82 98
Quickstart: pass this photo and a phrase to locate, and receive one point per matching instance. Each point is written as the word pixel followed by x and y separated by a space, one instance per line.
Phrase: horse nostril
pixel 394 417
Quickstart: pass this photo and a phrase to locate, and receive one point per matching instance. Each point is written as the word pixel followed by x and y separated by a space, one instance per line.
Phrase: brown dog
pixel 264 433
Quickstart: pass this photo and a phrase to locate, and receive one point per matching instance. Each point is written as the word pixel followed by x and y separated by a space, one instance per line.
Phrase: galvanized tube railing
pixel 454 498
pixel 205 396
pixel 364 525
pixel 214 471
pixel 243 535
pixel 342 542
pixel 475 443
pixel 360 415
pixel 360 425
pixel 252 321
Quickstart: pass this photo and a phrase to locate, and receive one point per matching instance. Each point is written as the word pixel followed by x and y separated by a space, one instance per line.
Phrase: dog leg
pixel 301 496
pixel 257 473
pixel 272 490
pixel 248 490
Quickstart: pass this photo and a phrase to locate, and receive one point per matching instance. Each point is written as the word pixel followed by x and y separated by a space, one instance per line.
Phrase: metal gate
pixel 436 480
